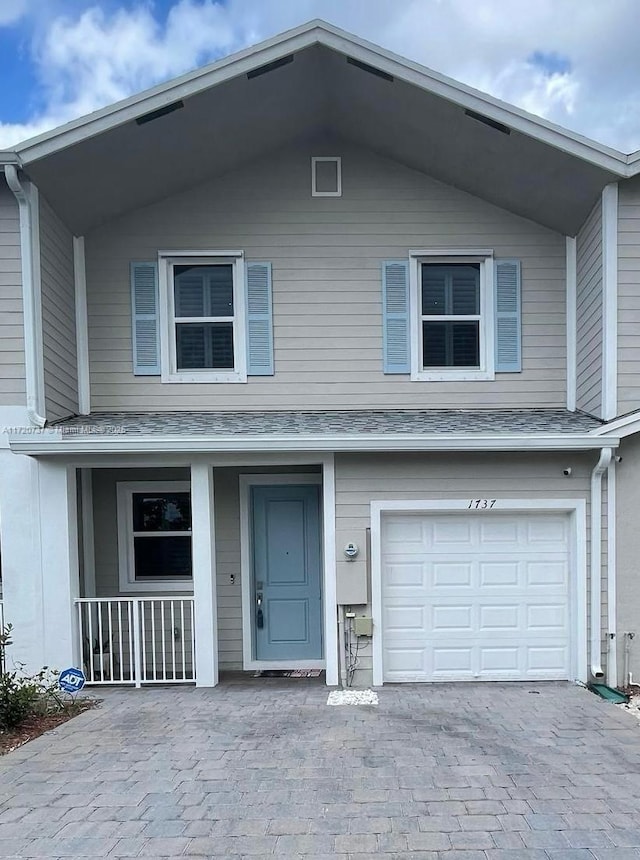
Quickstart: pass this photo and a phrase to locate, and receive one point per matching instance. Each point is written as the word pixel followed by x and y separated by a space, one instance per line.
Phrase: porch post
pixel 330 583
pixel 21 558
pixel 60 575
pixel 204 575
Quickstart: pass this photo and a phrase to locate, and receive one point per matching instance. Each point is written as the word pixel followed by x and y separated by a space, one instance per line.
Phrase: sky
pixel 574 62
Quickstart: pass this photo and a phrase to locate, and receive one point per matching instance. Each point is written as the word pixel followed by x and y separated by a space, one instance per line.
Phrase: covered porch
pixel 163 570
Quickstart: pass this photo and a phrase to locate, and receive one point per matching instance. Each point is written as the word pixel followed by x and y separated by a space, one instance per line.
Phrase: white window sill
pixel 444 375
pixel 205 376
pixel 159 586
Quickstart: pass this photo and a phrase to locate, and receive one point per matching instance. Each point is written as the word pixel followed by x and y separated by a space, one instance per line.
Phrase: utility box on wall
pixel 352 575
pixel 363 626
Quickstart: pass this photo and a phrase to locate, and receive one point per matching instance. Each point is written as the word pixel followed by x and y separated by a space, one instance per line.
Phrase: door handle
pixel 259 611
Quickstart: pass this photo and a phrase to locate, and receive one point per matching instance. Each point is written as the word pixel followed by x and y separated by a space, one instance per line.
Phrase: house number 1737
pixel 481 504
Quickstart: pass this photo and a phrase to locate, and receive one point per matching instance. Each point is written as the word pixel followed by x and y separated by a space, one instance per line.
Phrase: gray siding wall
pixel 12 379
pixel 629 296
pixel 628 553
pixel 326 255
pixel 589 313
pixel 58 315
pixel 362 478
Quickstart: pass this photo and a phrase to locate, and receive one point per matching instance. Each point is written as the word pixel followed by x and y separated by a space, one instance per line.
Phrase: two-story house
pixel 316 359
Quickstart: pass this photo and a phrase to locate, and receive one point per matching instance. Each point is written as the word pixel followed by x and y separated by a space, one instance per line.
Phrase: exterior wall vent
pixel 156 114
pixel 326 176
pixel 270 67
pixel 485 120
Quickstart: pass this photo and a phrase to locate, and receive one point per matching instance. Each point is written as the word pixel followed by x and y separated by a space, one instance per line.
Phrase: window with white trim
pixel 450 315
pixel 203 338
pixel 452 318
pixel 154 536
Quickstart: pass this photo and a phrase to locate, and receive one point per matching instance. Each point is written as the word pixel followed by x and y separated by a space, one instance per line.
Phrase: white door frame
pixel 576 508
pixel 328 604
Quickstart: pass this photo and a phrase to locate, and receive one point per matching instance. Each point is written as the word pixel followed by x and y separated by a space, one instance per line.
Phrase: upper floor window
pixel 452 317
pixel 203 339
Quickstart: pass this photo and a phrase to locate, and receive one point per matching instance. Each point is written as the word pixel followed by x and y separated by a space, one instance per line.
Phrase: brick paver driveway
pixel 467 772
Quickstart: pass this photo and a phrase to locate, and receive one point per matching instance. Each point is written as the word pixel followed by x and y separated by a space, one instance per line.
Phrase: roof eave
pixel 55 443
pixel 318 32
pixel 10 158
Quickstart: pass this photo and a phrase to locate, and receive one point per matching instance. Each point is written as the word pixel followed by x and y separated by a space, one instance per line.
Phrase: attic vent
pixel 156 114
pixel 270 67
pixel 371 69
pixel 326 176
pixel 485 120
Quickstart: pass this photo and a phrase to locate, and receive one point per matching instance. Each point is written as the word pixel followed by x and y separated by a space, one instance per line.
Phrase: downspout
pixel 596 561
pixel 34 374
pixel 612 598
pixel 342 657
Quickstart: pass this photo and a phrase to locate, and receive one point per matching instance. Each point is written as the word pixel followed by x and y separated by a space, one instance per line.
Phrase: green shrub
pixel 19 699
pixel 22 695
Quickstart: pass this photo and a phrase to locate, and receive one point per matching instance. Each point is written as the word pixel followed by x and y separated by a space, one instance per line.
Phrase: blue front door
pixel 287 601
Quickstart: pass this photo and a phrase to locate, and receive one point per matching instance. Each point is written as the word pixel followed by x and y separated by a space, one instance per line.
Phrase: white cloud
pixel 97 57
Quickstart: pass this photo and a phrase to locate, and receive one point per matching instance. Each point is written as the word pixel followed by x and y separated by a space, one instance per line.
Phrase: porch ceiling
pixel 106 164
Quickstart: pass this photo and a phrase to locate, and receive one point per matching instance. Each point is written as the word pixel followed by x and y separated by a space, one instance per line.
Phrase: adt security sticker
pixel 71 680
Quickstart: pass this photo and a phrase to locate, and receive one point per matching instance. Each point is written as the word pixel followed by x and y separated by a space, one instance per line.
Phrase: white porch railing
pixel 137 640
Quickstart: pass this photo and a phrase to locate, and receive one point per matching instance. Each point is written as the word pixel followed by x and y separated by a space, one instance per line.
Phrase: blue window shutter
pixel 395 316
pixel 508 316
pixel 144 319
pixel 259 320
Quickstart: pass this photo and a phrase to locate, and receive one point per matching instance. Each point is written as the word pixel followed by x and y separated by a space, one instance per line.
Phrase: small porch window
pixel 154 536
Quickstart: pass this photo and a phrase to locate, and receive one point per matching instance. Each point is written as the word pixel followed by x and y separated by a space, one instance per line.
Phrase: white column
pixel 60 576
pixel 21 559
pixel 204 575
pixel 330 584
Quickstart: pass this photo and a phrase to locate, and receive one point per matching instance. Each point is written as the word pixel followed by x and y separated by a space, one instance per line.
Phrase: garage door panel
pixel 502 617
pixel 547 616
pixel 409 534
pixel 450 532
pixel 449 661
pixel 551 658
pixel 500 574
pixel 505 659
pixel 545 573
pixel 485 598
pixel 547 530
pixel 405 664
pixel 450 574
pixel 456 618
pixel 406 574
pixel 403 619
pixel 498 531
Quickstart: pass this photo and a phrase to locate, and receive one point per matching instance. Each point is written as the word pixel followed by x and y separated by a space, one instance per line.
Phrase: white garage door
pixel 475 597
